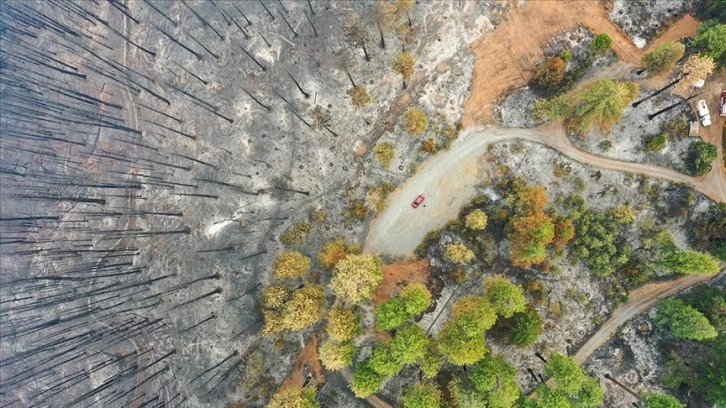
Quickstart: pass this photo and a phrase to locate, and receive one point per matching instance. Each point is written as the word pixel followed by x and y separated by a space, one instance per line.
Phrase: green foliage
pixel 601 43
pixel 384 153
pixel 711 39
pixel 506 297
pixel 547 398
pixel 711 376
pixel 476 220
pixel 656 143
pixel 421 396
pixel 711 301
pixel 597 243
pixel 496 381
pixel 591 395
pixel 605 145
pixel 409 344
pixel 663 58
pixel 623 214
pixel 689 262
pixel 412 301
pixel 383 362
pixel 559 107
pixel 296 234
pixel 525 327
pixel 602 102
pixel 366 381
pixel 432 360
pixel 566 372
pixel 415 121
pixel 717 10
pixel 566 55
pixel 700 156
pixel 653 400
pixel 335 356
pixel 676 372
pixel 708 230
pixel 684 321
pixel 460 348
pixel 474 315
pixel 294 397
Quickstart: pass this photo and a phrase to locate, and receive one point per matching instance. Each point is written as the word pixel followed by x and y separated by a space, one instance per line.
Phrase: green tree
pixel 409 344
pixel 653 400
pixel 474 315
pixel 383 362
pixel 547 398
pixel 711 39
pixel 700 156
pixel 559 107
pixel 602 102
pixel 690 262
pixel 294 397
pixel 601 43
pixel 343 324
pixel 591 395
pixel 496 380
pixel 506 297
pixel 415 121
pixel 421 396
pixel 356 276
pixel 684 321
pixel 458 347
pixel 335 356
pixel 432 360
pixel 598 243
pixel 525 327
pixel 476 220
pixel 412 301
pixel 291 265
pixel 458 253
pixel 366 381
pixel 656 143
pixel 663 58
pixel 566 372
pixel 711 371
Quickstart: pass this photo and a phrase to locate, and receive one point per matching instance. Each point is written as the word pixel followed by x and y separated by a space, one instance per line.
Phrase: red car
pixel 417 201
pixel 722 111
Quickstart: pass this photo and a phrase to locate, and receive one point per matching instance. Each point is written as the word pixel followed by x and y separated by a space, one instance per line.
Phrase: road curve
pixel 448 181
pixel 641 299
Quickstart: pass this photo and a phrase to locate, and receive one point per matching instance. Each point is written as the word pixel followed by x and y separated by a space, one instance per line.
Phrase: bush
pixel 656 143
pixel 428 146
pixel 366 381
pixel 601 43
pixel 476 220
pixel 296 234
pixel 598 243
pixel 411 302
pixel 605 145
pixel 334 251
pixel 559 107
pixel 336 356
pixel 506 297
pixel 403 64
pixel 683 321
pixel 458 253
pixel 415 121
pixel 700 156
pixel 291 265
pixel 294 397
pixel 384 153
pixel 525 327
pixel 663 58
pixel 359 96
pixel 343 324
pixel 711 39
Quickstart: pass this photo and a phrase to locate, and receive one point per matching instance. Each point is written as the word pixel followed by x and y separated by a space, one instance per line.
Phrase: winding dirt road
pixel 448 181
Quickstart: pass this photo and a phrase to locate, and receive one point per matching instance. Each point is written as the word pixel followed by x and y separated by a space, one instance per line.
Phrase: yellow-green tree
pixel 294 397
pixel 291 264
pixel 305 307
pixel 602 102
pixel 663 58
pixel 506 297
pixel 403 64
pixel 458 253
pixel 696 68
pixel 336 356
pixel 476 220
pixel 343 324
pixel 356 276
pixel 415 121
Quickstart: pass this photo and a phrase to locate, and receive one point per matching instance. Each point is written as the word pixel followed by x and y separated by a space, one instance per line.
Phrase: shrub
pixel 663 58
pixel 415 121
pixel 623 214
pixel 605 145
pixel 359 96
pixel 384 153
pixel 559 107
pixel 656 143
pixel 356 276
pixel 700 156
pixel 376 196
pixel 525 327
pixel 506 297
pixel 684 321
pixel 296 234
pixel 366 381
pixel 711 39
pixel 291 265
pixel 476 220
pixel 412 301
pixel 428 146
pixel 601 43
pixel 355 211
pixel 335 356
pixel 421 396
pixel 334 251
pixel 403 64
pixel 343 324
pixel 294 397
pixel 458 253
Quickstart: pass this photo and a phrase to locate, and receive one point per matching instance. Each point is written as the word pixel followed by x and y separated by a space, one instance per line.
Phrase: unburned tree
pixel 663 58
pixel 294 396
pixel 506 297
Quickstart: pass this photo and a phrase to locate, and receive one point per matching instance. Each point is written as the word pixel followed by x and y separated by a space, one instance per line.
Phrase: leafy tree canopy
pixel 294 397
pixel 683 320
pixel 566 372
pixel 356 276
pixel 343 324
pixel 335 356
pixel 421 396
pixel 663 58
pixel 506 297
pixel 653 400
pixel 291 265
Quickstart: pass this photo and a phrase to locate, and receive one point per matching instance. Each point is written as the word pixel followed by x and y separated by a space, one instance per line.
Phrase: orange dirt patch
pixel 396 275
pixel 687 26
pixel 505 57
pixel 306 362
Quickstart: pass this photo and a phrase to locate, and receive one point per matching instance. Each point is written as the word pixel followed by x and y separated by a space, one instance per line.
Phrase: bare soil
pixel 397 274
pixel 306 362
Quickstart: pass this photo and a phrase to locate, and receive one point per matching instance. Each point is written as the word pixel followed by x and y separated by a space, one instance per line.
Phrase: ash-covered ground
pixel 152 154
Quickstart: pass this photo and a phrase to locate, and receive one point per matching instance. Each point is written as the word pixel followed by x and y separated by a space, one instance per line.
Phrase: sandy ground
pixel 396 275
pixel 506 56
pixel 305 362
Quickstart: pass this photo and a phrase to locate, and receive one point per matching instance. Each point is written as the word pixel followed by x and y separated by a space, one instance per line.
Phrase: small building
pixel 694 129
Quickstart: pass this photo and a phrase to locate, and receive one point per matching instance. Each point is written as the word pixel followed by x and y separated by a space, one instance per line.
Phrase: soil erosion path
pixel 448 181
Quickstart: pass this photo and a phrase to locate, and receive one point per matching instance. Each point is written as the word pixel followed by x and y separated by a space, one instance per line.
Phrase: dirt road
pixel 448 181
pixel 641 299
